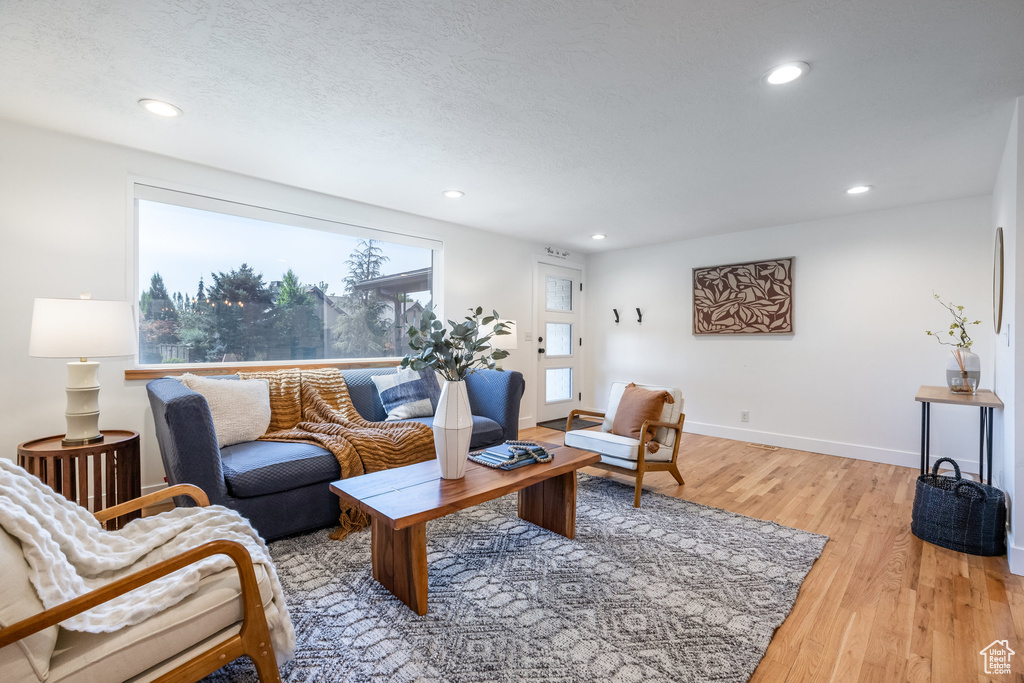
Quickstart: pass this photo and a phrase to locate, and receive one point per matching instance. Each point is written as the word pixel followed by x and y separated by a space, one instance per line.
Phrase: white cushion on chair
pixel 670 413
pixel 119 655
pixel 604 443
pixel 614 446
pixel 29 658
pixel 619 462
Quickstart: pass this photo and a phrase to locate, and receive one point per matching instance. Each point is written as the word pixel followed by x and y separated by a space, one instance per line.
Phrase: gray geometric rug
pixel 672 591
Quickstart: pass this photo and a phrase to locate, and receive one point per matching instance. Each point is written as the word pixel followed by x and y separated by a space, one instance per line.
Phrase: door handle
pixel 540 350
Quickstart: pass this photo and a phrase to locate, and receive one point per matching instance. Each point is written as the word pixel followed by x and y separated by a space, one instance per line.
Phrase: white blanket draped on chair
pixel 70 554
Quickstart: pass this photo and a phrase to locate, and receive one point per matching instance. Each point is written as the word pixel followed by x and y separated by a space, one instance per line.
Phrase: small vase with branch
pixel 454 353
pixel 963 371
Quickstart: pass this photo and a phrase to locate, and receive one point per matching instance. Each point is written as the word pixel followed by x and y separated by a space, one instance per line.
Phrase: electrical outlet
pixel 744 416
pixel 528 336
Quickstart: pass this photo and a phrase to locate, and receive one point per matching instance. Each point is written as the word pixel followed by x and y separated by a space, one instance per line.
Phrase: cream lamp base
pixel 83 411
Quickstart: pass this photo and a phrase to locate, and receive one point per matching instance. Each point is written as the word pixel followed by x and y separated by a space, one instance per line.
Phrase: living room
pixel 652 126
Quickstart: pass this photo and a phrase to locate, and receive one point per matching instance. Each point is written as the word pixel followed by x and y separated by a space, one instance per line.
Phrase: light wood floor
pixel 879 604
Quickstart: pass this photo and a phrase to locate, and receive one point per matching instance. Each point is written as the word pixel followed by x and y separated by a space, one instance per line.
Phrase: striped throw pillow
pixel 406 394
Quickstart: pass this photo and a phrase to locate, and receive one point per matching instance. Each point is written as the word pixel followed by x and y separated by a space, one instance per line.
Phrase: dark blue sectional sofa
pixel 283 488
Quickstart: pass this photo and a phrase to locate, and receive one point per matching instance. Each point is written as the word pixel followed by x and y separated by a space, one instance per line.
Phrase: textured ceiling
pixel 559 118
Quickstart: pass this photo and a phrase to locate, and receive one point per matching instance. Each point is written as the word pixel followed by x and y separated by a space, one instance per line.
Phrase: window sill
pixel 175 369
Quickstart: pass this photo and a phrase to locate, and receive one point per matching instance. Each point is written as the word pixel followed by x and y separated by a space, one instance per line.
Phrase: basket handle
pixel 956 468
pixel 971 485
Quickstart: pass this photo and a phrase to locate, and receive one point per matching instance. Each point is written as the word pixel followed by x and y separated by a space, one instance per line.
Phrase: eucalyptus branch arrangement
pixel 455 352
pixel 958 330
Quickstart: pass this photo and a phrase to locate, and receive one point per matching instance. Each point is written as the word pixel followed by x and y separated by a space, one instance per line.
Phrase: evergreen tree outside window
pixel 251 285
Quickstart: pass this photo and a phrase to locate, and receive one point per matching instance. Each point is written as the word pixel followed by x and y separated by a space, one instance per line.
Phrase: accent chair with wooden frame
pixel 625 455
pixel 225 619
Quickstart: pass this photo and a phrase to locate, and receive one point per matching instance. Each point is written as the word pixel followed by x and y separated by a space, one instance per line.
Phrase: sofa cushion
pixel 121 654
pixel 29 658
pixel 364 394
pixel 612 445
pixel 486 431
pixel 240 410
pixel 257 468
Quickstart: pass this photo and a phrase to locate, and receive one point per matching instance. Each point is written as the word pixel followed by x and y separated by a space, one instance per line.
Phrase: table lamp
pixel 505 342
pixel 82 328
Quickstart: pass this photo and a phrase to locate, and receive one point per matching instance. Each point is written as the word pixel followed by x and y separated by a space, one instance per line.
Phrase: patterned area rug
pixel 673 591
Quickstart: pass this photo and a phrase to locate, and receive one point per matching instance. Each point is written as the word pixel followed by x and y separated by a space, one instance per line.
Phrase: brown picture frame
pixel 755 297
pixel 997 282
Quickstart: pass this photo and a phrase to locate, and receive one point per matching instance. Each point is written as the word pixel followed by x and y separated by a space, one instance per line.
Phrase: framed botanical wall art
pixel 744 298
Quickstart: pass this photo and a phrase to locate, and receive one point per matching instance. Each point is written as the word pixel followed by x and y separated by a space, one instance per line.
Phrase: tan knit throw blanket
pixel 313 406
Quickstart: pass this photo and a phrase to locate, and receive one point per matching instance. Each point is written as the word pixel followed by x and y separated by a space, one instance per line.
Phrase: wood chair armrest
pixel 647 434
pixel 585 413
pixel 193 492
pixel 677 426
pixel 236 551
pixel 582 413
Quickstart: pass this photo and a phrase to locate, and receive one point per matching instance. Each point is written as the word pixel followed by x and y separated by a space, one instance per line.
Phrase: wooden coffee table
pixel 401 501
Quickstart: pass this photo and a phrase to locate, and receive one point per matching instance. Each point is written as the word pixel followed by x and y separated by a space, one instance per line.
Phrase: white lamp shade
pixel 506 342
pixel 81 328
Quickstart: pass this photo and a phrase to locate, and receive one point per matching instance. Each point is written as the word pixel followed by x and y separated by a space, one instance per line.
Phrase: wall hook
pixel 616 312
pixel 639 316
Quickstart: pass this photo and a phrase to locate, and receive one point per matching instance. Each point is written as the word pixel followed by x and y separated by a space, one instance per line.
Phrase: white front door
pixel 559 307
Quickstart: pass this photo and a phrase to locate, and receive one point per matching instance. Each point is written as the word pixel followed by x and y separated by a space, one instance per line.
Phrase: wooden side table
pixel 984 399
pixel 116 475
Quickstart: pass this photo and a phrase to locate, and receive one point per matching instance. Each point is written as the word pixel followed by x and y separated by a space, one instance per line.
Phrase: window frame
pixel 147 190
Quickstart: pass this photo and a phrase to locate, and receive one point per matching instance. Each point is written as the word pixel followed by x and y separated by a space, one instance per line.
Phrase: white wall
pixel 845 382
pixel 1008 212
pixel 64 230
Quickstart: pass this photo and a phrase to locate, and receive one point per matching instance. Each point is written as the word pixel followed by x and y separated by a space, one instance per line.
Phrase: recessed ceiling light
pixel 858 189
pixel 784 73
pixel 453 194
pixel 160 108
pixel 598 236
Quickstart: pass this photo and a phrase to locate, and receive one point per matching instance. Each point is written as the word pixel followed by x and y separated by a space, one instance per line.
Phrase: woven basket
pixel 959 514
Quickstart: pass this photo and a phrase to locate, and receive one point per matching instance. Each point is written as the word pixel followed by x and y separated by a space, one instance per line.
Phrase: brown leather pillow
pixel 637 406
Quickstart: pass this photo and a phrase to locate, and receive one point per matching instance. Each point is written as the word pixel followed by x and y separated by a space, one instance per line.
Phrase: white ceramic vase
pixel 971 361
pixel 453 428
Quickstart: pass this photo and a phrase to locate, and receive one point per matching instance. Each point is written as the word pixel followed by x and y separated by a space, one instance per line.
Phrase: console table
pixel 116 477
pixel 984 399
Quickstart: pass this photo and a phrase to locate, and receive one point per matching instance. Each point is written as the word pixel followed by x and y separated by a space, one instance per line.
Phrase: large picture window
pixel 221 282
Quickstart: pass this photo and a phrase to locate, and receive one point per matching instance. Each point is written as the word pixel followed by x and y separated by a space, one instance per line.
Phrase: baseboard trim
pixel 1015 557
pixel 886 456
pixel 527 422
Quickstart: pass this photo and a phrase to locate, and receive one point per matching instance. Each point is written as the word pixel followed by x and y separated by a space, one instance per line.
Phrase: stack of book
pixel 507 457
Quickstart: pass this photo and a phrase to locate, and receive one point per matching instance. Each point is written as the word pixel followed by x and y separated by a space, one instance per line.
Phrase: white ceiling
pixel 645 120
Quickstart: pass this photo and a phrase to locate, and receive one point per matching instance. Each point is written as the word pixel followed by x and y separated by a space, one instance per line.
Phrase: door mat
pixel 577 423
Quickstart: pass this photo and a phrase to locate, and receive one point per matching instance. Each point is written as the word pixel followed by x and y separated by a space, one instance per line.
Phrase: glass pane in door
pixel 559 294
pixel 558 384
pixel 559 339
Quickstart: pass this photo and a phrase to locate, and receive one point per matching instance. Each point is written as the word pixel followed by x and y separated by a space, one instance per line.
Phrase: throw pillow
pixel 406 394
pixel 636 407
pixel 240 408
